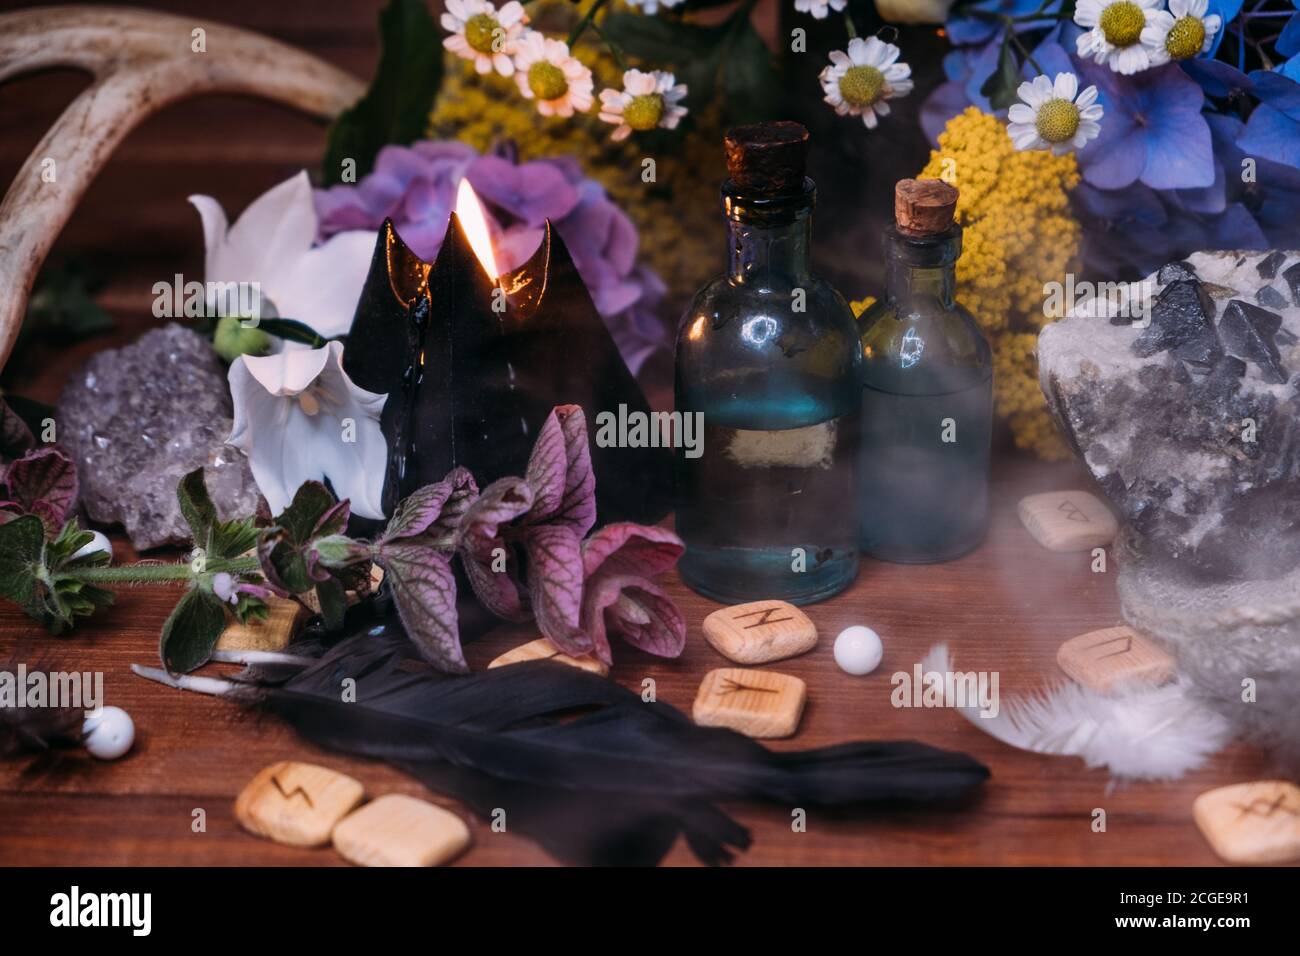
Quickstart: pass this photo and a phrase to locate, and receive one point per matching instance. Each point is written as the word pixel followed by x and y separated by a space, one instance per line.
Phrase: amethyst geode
pixel 1191 425
pixel 137 419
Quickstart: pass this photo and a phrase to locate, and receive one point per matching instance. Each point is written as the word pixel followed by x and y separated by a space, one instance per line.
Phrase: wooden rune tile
pixel 760 631
pixel 296 803
pixel 1068 520
pixel 542 649
pixel 397 830
pixel 756 703
pixel 272 634
pixel 1256 822
pixel 1099 659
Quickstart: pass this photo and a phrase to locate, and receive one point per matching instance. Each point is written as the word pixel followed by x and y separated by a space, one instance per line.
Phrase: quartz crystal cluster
pixel 137 419
pixel 1191 423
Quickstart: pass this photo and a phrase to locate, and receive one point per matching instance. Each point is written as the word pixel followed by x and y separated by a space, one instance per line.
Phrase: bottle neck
pixel 769 237
pixel 921 272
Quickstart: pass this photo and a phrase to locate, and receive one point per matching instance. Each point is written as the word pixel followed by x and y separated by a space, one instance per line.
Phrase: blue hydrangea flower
pixel 1154 131
pixel 1273 131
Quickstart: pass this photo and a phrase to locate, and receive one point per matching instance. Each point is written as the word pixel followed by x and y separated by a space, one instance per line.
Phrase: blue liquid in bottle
pixel 768 356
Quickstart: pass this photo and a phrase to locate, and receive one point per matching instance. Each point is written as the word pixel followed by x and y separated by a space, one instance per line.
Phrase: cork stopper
pixel 768 158
pixel 924 207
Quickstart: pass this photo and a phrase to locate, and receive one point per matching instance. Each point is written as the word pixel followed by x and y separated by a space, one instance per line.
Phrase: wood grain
pixel 1006 607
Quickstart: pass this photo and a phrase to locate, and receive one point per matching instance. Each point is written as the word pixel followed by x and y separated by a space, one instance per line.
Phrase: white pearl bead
pixel 858 650
pixel 109 735
pixel 100 543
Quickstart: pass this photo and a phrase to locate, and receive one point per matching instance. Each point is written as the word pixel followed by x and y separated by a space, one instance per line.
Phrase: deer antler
pixel 142 61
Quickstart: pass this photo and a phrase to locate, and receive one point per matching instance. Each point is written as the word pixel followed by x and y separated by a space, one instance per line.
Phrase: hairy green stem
pixel 146 573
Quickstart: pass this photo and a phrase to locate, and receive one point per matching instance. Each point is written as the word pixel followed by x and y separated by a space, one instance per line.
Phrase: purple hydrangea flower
pixel 415 186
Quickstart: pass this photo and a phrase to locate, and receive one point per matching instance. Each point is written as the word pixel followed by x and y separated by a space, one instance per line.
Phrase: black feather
pixel 578 763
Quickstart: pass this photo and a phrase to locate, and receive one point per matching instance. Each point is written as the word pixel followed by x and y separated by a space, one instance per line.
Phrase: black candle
pixel 472 364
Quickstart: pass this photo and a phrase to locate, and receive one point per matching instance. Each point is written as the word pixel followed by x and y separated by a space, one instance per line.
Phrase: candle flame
pixel 474 222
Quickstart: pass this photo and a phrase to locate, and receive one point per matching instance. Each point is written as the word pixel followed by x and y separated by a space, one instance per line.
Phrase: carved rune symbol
pixel 296 791
pixel 730 686
pixel 1128 646
pixel 764 617
pixel 1072 511
pixel 1269 808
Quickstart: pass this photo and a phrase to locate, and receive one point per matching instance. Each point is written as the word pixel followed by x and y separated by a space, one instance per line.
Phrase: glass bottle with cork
pixel 927 415
pixel 768 357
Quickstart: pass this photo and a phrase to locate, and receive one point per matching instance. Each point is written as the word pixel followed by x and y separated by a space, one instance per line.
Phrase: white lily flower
pixel 298 417
pixel 271 244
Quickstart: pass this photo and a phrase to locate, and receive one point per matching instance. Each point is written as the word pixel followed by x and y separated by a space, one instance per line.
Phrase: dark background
pixel 134 224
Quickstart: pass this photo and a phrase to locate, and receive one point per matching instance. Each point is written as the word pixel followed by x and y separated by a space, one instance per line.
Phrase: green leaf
pixel 250 608
pixel 333 603
pixel 230 539
pixel 302 515
pixel 663 41
pixel 61 307
pixel 192 631
pixel 753 91
pixel 196 507
pixel 396 107
pixel 22 557
pixel 1001 86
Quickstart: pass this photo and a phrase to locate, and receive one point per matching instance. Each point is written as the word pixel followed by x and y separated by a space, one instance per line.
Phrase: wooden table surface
pixel 1005 607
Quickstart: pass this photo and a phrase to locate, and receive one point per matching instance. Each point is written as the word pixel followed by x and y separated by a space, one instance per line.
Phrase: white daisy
pixel 484 34
pixel 1114 32
pixel 861 80
pixel 1181 32
pixel 1051 117
pixel 647 100
pixel 651 7
pixel 819 8
pixel 548 73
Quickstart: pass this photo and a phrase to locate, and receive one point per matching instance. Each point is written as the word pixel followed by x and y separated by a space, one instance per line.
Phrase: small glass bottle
pixel 927 406
pixel 768 359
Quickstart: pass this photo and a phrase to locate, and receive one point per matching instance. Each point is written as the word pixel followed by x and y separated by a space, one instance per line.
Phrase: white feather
pixel 1139 733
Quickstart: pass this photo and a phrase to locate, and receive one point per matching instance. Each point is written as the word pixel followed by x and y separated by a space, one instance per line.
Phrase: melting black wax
pixel 471 385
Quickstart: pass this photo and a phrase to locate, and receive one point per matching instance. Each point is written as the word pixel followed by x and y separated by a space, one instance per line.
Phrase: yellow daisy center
pixel 1057 121
pixel 1185 38
pixel 547 81
pixel 862 85
pixel 481 32
pixel 1122 23
pixel 644 112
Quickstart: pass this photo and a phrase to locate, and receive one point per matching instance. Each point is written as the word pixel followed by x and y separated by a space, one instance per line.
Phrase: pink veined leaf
pixel 628 548
pixel 424 507
pixel 636 609
pixel 491 563
pixel 499 591
pixel 15 436
pixel 464 492
pixel 555 586
pixel 500 503
pixel 559 472
pixel 44 482
pixel 424 590
pixel 334 520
